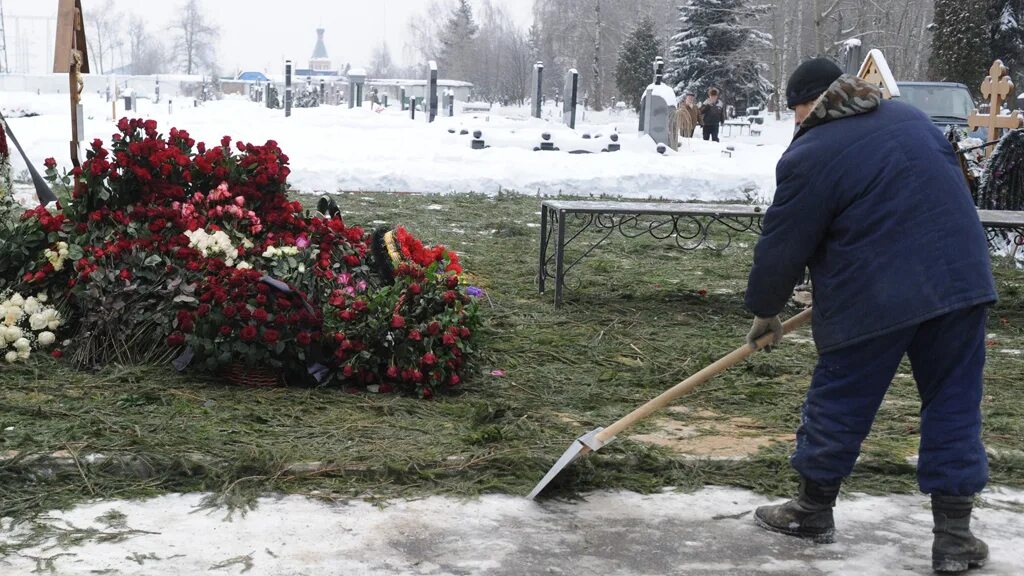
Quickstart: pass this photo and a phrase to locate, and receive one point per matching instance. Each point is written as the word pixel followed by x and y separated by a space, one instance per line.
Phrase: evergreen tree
pixel 457 39
pixel 1008 35
pixel 716 48
pixel 634 72
pixel 961 42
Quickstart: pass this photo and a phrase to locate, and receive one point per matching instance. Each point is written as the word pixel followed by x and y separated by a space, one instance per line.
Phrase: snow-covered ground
pixel 610 534
pixel 333 148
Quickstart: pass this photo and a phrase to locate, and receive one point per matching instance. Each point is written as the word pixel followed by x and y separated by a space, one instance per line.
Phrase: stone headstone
pixel 323 90
pixel 658 110
pixel 572 87
pixel 412 107
pixel 385 101
pixel 478 142
pixel 449 103
pixel 537 89
pixel 356 83
pixel 614 146
pixel 157 91
pixel 430 104
pixel 401 97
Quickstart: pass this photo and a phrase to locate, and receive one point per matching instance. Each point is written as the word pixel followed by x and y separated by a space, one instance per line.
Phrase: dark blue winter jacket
pixel 871 198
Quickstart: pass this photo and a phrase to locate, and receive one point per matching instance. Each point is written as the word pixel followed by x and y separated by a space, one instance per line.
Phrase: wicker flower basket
pixel 241 375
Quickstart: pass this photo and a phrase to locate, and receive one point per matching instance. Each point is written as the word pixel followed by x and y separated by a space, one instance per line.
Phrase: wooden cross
pixel 71 55
pixel 996 87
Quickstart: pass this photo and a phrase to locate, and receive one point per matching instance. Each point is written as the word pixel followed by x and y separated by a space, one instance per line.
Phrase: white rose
pixel 12 316
pixel 11 357
pixel 17 299
pixel 14 334
pixel 37 321
pixel 3 340
pixel 23 354
pixel 42 298
pixel 244 266
pixel 46 338
pixel 22 344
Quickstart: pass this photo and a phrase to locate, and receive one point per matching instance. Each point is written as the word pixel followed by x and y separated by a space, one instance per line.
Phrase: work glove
pixel 762 326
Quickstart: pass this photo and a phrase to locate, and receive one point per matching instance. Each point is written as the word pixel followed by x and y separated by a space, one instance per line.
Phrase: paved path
pixel 608 534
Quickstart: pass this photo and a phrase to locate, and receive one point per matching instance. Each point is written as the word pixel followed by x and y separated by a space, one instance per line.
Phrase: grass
pixel 634 323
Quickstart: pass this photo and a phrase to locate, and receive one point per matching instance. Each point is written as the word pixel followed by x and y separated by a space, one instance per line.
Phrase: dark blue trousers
pixel 948 357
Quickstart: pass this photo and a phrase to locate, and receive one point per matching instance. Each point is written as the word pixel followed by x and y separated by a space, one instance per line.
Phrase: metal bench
pixel 689 225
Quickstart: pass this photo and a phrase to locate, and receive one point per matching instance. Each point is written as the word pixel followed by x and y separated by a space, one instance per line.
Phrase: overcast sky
pixel 254 34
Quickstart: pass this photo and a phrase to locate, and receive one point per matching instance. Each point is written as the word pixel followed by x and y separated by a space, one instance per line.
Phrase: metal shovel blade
pixel 582 445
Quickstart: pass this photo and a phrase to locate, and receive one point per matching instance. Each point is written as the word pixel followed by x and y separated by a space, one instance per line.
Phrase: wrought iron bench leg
pixel 542 271
pixel 560 259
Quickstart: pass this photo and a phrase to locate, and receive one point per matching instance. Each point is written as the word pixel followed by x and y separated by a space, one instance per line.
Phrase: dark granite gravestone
pixel 430 104
pixel 572 86
pixel 537 89
pixel 287 88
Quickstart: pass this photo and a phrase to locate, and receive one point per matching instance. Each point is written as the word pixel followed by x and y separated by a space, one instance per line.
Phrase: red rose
pixel 429 359
pixel 397 321
pixel 464 332
pixel 260 315
pixel 359 305
pixel 415 335
pixel 176 340
pixel 271 336
pixel 434 328
pixel 203 310
pixel 450 296
pixel 225 330
pixel 230 311
pixel 415 289
pixel 453 282
pixel 448 340
pixel 125 275
pixel 393 372
pixel 304 338
pixel 50 163
pixel 57 354
pixel 249 333
pixel 347 371
pixel 454 380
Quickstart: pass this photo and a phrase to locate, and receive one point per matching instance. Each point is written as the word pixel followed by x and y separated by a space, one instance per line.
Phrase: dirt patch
pixel 707 434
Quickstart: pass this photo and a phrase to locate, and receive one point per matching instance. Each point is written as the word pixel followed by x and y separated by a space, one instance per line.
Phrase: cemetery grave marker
pixel 287 88
pixel 71 56
pixel 658 118
pixel 572 86
pixel 430 104
pixel 997 86
pixel 537 92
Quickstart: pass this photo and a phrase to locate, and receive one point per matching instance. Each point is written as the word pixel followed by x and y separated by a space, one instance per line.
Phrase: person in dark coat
pixel 712 114
pixel 871 198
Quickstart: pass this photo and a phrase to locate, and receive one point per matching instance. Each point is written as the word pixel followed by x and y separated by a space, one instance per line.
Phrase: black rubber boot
pixel 808 516
pixel 955 549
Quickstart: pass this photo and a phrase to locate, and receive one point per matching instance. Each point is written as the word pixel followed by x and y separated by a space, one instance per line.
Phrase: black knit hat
pixel 810 80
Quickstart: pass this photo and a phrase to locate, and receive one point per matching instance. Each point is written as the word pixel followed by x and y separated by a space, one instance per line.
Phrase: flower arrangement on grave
pixel 163 248
pixel 26 324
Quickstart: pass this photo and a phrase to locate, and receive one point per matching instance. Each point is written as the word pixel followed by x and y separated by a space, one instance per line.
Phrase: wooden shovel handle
pixel 686 386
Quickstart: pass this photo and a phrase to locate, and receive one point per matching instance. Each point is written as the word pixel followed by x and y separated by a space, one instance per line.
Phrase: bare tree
pixel 104 35
pixel 146 52
pixel 194 45
pixel 381 64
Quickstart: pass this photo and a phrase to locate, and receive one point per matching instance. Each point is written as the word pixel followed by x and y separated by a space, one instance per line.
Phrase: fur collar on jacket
pixel 846 97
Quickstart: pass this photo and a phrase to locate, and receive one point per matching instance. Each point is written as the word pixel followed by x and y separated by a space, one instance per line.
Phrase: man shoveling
pixel 871 198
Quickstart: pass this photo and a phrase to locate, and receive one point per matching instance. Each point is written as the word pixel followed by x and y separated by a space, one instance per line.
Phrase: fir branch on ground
pixel 637 299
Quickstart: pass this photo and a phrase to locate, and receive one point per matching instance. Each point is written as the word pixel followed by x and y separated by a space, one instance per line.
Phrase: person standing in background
pixel 712 114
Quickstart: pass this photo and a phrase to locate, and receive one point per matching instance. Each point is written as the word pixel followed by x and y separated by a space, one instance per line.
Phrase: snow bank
pixel 334 148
